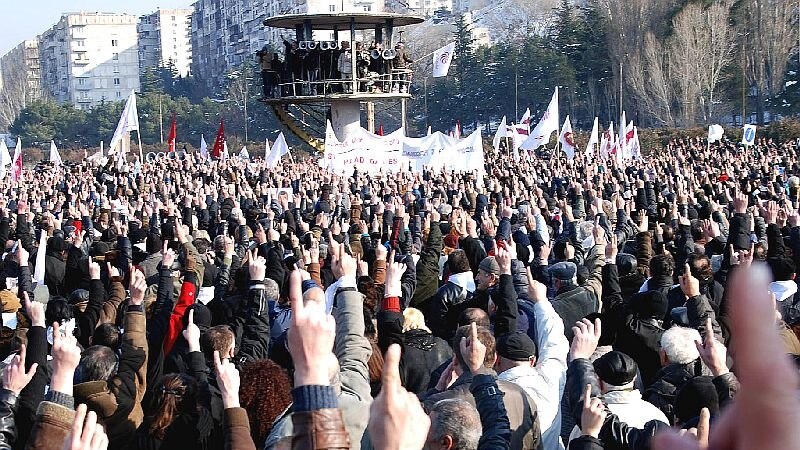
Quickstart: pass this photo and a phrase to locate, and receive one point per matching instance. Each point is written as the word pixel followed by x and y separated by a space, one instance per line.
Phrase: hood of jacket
pixel 463 280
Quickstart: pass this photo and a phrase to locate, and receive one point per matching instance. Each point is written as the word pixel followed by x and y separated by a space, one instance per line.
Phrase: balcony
pixel 80 61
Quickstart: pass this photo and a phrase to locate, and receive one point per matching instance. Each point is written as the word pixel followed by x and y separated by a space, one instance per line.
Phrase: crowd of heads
pixel 539 303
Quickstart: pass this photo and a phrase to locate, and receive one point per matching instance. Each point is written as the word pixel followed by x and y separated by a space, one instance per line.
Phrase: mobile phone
pixel 14 247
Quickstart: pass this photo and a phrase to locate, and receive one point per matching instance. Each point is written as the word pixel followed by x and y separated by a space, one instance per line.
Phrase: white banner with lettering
pixel 367 152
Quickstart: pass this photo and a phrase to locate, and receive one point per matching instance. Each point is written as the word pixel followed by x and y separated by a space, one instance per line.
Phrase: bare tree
pixel 769 33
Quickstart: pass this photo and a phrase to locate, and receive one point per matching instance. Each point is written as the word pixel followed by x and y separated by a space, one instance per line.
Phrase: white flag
pixel 55 158
pixel 225 153
pixel 279 148
pixel 749 135
pixel 244 154
pixel 627 139
pixel 16 163
pixel 567 139
pixel 38 271
pixel 442 59
pixel 203 147
pixel 715 133
pixel 594 138
pixel 607 143
pixel 546 126
pixel 635 147
pixel 502 131
pixel 129 121
pixel 5 156
pixel 621 139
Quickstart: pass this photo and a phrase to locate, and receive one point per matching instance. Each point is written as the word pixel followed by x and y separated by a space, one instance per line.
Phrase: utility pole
pixel 516 93
pixel 160 120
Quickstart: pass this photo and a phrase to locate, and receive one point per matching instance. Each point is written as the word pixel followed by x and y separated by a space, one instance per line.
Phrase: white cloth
pixel 545 381
pixel 783 289
pixel 464 280
pixel 630 408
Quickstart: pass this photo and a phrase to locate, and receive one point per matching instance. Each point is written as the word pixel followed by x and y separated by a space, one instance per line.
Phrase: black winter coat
pixel 445 307
pixel 422 352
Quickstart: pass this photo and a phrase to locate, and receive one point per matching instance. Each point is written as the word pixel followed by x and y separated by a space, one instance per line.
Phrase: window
pixel 81 81
pixel 80 43
pixel 367 7
pixel 332 8
pixel 115 57
pixel 116 69
pixel 114 43
pixel 116 81
pixel 119 94
pixel 173 18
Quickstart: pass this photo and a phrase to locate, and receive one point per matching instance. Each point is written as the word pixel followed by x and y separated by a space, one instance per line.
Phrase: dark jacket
pixel 8 432
pixel 494 418
pixel 614 434
pixel 668 382
pixel 422 352
pixel 445 307
pixel 428 266
pixel 573 303
pixel 117 401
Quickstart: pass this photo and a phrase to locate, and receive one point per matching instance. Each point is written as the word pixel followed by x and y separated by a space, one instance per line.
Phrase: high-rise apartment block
pixel 165 40
pixel 88 58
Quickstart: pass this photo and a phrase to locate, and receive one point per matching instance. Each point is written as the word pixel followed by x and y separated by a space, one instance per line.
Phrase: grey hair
pixel 271 290
pixel 98 363
pixel 678 344
pixel 459 420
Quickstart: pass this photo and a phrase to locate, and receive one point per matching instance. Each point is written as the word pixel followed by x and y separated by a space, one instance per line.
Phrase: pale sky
pixel 25 19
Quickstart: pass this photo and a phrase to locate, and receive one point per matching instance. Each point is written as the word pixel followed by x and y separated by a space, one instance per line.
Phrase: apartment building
pixel 165 39
pixel 20 80
pixel 88 58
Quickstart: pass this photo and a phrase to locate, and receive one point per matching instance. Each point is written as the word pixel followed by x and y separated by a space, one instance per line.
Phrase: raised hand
pixel 396 420
pixel 310 339
pixel 14 376
pixel 587 336
pixel 192 333
pixel 689 284
pixel 94 269
pixel 138 285
pixel 257 266
pixel 472 349
pixel 228 381
pixel 394 275
pixel 593 415
pixel 86 433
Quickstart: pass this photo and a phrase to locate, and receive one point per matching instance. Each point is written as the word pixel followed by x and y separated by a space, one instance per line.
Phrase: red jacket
pixel 185 300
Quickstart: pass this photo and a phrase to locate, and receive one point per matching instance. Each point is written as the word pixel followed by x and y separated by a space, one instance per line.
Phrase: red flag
pixel 380 130
pixel 219 142
pixel 173 133
pixel 16 169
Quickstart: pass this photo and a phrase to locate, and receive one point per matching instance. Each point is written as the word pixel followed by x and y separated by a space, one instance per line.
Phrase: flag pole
pixel 141 153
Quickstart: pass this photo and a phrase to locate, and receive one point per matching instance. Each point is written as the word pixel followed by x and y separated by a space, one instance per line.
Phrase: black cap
pixel 516 346
pixel 615 368
pixel 651 304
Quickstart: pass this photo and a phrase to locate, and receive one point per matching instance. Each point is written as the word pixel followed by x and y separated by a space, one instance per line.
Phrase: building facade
pixel 165 39
pixel 20 80
pixel 88 58
pixel 227 33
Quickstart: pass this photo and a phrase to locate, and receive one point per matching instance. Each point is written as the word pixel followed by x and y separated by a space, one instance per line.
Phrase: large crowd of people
pixel 540 304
